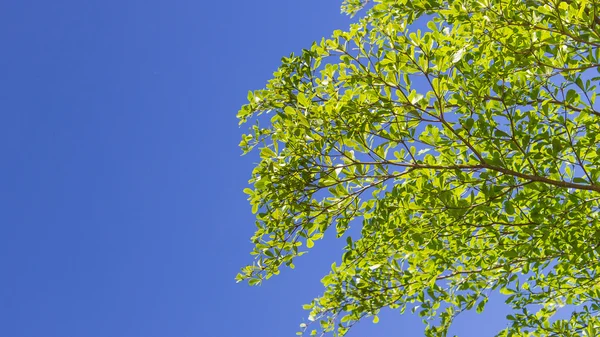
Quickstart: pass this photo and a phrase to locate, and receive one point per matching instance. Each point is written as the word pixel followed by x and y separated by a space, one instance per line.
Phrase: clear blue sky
pixel 121 211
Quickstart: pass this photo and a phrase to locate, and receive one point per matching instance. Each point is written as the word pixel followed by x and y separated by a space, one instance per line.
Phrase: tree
pixel 463 137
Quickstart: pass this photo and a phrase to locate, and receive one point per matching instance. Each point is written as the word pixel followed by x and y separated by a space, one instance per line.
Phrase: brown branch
pixel 558 183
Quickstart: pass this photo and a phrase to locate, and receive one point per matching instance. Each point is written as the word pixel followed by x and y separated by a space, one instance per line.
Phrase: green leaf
pixel 508 206
pixel 303 100
pixel 481 305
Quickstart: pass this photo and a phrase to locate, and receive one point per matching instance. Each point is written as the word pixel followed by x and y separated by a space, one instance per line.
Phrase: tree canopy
pixel 463 138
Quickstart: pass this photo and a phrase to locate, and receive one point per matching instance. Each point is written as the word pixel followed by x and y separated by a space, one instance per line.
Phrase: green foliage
pixel 467 151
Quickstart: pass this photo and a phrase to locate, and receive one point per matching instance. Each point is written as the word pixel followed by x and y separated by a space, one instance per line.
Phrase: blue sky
pixel 122 212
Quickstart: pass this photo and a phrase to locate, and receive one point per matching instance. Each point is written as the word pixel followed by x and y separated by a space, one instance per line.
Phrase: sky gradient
pixel 121 204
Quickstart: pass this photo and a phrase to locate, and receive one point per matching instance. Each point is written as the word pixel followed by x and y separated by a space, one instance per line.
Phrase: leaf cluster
pixel 467 151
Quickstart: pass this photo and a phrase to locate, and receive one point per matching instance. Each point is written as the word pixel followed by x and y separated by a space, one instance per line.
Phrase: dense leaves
pixel 462 136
